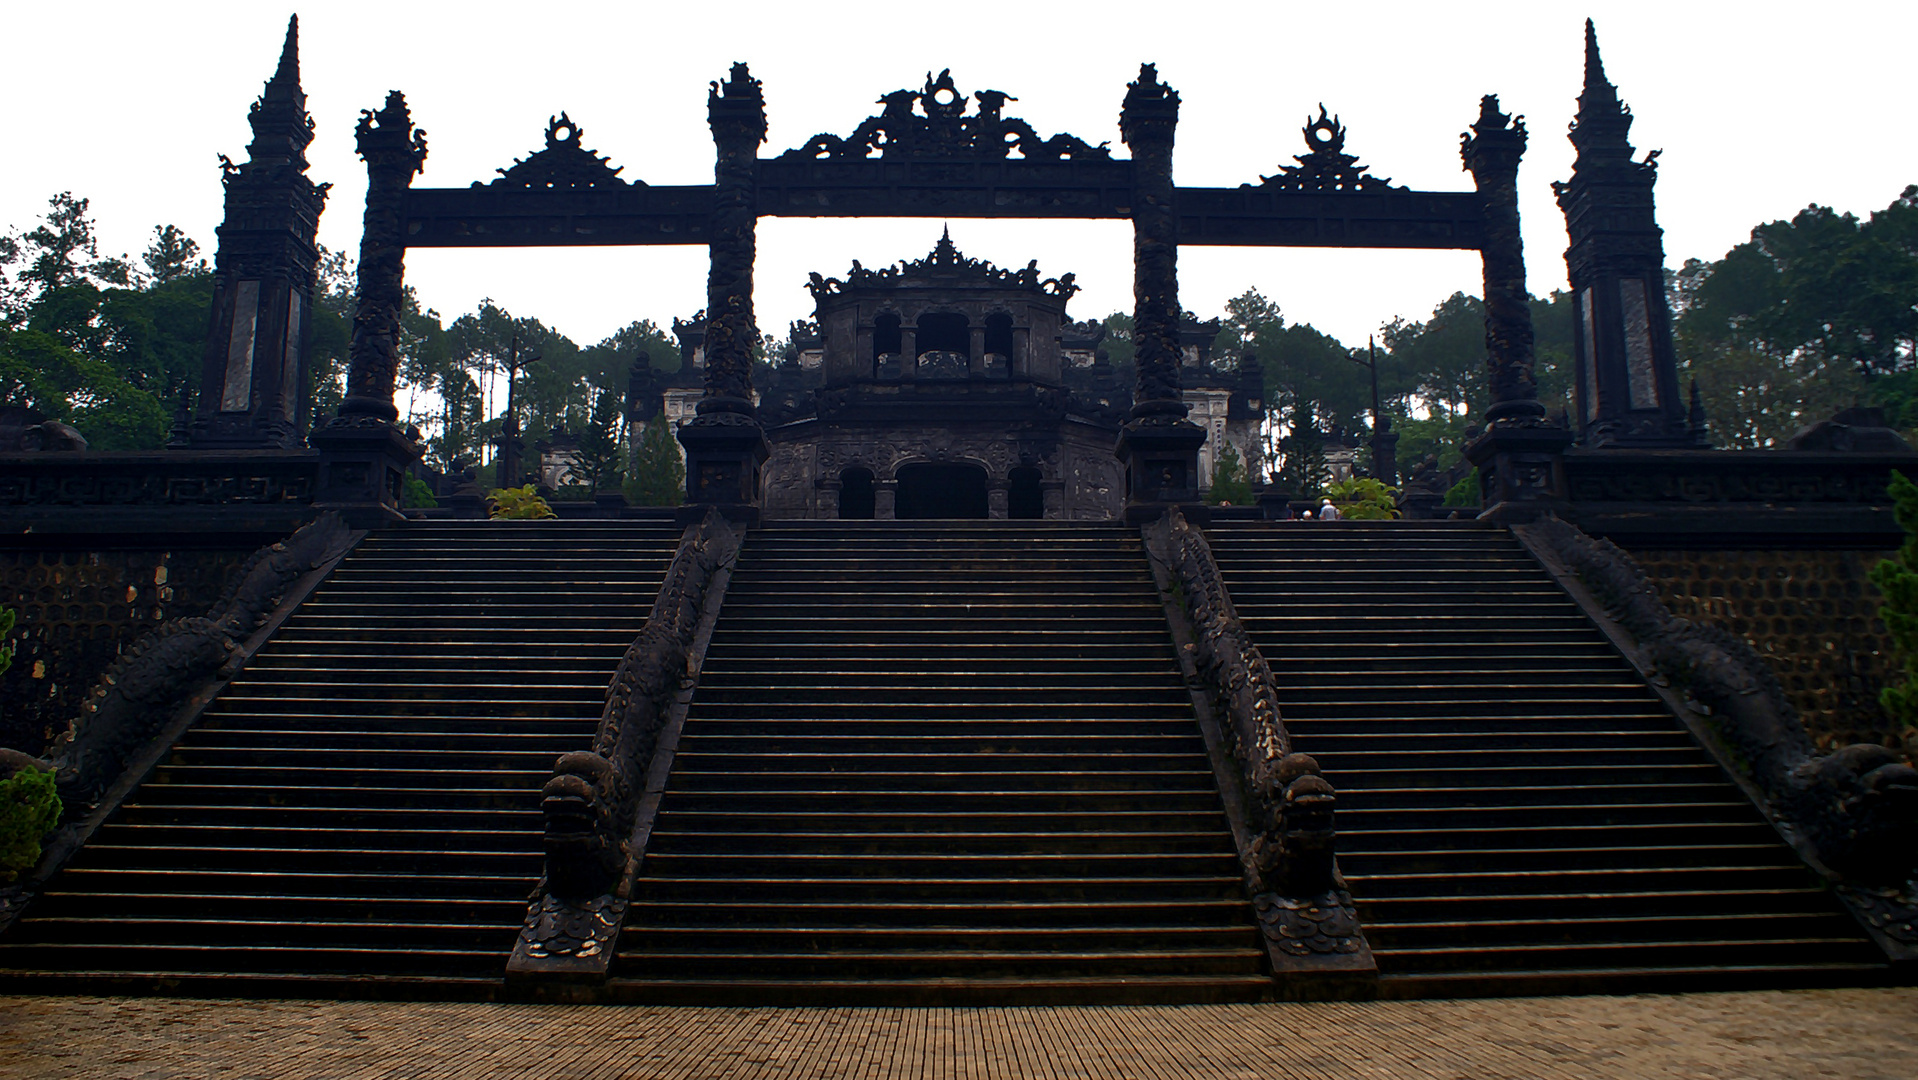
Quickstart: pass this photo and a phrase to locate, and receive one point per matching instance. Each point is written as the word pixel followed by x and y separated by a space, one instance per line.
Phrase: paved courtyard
pixel 1747 1036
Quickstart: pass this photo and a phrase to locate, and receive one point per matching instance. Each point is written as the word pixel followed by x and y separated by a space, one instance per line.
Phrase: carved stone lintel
pixel 940 130
pixel 1325 166
pixel 563 164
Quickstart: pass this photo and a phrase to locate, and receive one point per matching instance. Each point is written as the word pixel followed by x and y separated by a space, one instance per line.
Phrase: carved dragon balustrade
pixel 147 699
pixel 1851 814
pixel 592 803
pixel 1288 852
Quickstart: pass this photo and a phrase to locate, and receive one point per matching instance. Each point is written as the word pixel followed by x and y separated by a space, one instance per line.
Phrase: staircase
pixel 1518 813
pixel 362 803
pixel 940 764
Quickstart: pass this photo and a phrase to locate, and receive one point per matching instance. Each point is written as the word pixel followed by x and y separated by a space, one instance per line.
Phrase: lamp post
pixel 1385 441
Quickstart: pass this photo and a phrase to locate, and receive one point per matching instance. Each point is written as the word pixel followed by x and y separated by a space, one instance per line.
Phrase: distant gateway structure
pixel 936 152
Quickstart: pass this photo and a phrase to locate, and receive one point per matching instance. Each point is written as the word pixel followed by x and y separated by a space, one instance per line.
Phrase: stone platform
pixel 1736 1036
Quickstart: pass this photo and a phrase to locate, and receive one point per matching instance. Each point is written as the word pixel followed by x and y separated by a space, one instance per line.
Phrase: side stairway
pixel 1518 812
pixel 363 801
pixel 940 764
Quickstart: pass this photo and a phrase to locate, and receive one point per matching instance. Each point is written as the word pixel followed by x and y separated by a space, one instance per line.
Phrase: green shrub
pixel 1897 578
pixel 1466 492
pixel 520 503
pixel 29 809
pixel 415 494
pixel 1364 498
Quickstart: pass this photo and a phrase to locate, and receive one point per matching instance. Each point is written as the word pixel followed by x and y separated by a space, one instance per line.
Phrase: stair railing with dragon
pixel 1852 814
pixel 159 687
pixel 1279 805
pixel 600 804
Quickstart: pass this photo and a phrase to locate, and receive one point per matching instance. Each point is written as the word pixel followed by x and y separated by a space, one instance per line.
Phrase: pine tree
pixel 1229 484
pixel 658 476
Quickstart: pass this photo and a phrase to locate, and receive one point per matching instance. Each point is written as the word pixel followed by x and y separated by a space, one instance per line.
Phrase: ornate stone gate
pixel 937 151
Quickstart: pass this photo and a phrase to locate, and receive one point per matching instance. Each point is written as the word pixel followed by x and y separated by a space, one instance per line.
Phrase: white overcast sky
pixel 1760 108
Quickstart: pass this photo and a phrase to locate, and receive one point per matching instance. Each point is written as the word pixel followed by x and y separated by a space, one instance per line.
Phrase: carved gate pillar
pixel 725 445
pixel 998 501
pixel 885 499
pixel 363 454
pixel 1519 458
pixel 253 376
pixel 1626 369
pixel 1159 446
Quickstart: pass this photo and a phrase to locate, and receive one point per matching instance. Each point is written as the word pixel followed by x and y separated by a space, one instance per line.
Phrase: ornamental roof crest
pixel 1326 166
pixel 944 265
pixel 932 123
pixel 564 163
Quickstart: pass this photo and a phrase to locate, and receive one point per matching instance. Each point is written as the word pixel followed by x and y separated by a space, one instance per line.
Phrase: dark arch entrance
pixel 1023 498
pixel 941 490
pixel 855 495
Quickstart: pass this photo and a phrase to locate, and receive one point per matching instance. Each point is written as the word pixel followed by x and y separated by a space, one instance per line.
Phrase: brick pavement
pixel 1747 1036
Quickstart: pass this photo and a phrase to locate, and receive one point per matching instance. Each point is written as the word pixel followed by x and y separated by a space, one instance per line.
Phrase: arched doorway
pixel 1023 497
pixel 855 495
pixel 941 490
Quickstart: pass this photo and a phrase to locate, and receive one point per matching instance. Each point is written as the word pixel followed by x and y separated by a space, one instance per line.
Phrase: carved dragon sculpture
pixel 593 797
pixel 1857 808
pixel 1290 868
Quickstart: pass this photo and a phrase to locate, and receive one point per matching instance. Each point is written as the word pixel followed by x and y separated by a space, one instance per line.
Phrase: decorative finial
pixel 290 52
pixel 282 129
pixel 1598 91
pixel 1604 123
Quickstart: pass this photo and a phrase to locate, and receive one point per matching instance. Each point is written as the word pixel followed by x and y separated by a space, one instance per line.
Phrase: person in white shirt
pixel 1327 511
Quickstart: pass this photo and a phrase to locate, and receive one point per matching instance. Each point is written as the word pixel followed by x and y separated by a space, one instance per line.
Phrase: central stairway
pixel 940 763
pixel 360 808
pixel 1518 812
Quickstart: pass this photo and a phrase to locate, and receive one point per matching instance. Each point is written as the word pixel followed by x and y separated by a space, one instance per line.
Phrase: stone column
pixel 1158 444
pixel 976 357
pixel 253 373
pixel 1519 457
pixel 394 152
pixel 908 351
pixel 885 499
pixel 363 453
pixel 1492 151
pixel 725 445
pixel 998 501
